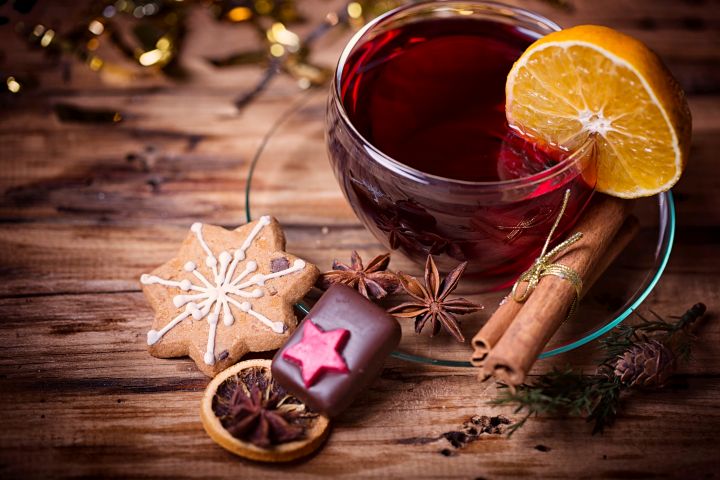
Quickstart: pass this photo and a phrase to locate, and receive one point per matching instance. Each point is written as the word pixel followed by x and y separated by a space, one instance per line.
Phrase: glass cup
pixel 499 227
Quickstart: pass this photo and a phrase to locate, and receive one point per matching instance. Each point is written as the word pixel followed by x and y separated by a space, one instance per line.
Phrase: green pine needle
pixel 597 397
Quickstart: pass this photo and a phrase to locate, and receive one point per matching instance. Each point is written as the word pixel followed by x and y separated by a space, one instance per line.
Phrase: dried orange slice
pixel 248 414
pixel 591 81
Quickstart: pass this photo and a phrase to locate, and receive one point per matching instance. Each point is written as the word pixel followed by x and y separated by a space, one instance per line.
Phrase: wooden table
pixel 86 208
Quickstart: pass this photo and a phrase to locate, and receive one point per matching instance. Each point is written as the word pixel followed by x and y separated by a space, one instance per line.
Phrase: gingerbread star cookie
pixel 225 294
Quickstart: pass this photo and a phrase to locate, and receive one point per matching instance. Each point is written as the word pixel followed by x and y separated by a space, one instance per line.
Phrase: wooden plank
pixel 137 173
pixel 42 258
pixel 117 431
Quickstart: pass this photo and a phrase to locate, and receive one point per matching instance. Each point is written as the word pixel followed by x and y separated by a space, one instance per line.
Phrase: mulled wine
pixel 419 142
pixel 431 95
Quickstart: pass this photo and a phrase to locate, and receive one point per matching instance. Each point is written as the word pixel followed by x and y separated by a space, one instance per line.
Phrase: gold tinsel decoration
pixel 157 33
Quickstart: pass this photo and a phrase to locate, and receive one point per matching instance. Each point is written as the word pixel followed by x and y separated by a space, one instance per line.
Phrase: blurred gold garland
pixel 157 33
pixel 150 35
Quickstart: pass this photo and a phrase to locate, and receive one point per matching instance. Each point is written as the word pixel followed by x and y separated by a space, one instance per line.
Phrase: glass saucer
pixel 320 227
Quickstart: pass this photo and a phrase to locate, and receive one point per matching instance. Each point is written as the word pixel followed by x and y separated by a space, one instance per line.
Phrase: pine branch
pixel 597 397
pixel 564 392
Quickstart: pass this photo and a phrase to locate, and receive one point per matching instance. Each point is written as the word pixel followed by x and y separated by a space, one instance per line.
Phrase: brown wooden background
pixel 81 218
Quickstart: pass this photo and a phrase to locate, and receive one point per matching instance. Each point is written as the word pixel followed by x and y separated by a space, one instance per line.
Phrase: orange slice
pixel 246 376
pixel 590 81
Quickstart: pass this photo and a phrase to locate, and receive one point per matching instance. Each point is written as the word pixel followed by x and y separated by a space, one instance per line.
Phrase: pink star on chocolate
pixel 317 352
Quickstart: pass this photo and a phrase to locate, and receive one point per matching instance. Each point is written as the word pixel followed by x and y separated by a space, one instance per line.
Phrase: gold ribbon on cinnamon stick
pixel 544 265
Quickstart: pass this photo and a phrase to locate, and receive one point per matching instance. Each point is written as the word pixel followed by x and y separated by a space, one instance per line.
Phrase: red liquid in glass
pixel 431 94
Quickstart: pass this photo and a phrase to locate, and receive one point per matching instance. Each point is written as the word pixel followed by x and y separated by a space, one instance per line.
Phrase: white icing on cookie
pixel 260 279
pixel 277 327
pixel 218 295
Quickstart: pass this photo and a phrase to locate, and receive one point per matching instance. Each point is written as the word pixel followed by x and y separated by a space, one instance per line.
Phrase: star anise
pixel 398 234
pixel 259 411
pixel 373 281
pixel 430 304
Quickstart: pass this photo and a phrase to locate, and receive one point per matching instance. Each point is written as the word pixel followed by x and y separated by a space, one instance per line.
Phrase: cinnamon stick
pixel 489 335
pixel 547 307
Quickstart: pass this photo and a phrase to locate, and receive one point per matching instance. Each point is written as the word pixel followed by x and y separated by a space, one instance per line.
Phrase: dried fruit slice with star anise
pixel 430 302
pixel 246 412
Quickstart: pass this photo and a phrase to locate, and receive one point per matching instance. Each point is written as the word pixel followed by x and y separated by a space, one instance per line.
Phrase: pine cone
pixel 647 364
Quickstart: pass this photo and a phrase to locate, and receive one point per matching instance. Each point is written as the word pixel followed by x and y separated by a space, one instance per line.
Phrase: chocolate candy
pixel 336 351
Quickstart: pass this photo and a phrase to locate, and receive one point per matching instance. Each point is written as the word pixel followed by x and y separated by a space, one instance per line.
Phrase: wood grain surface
pixel 86 208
